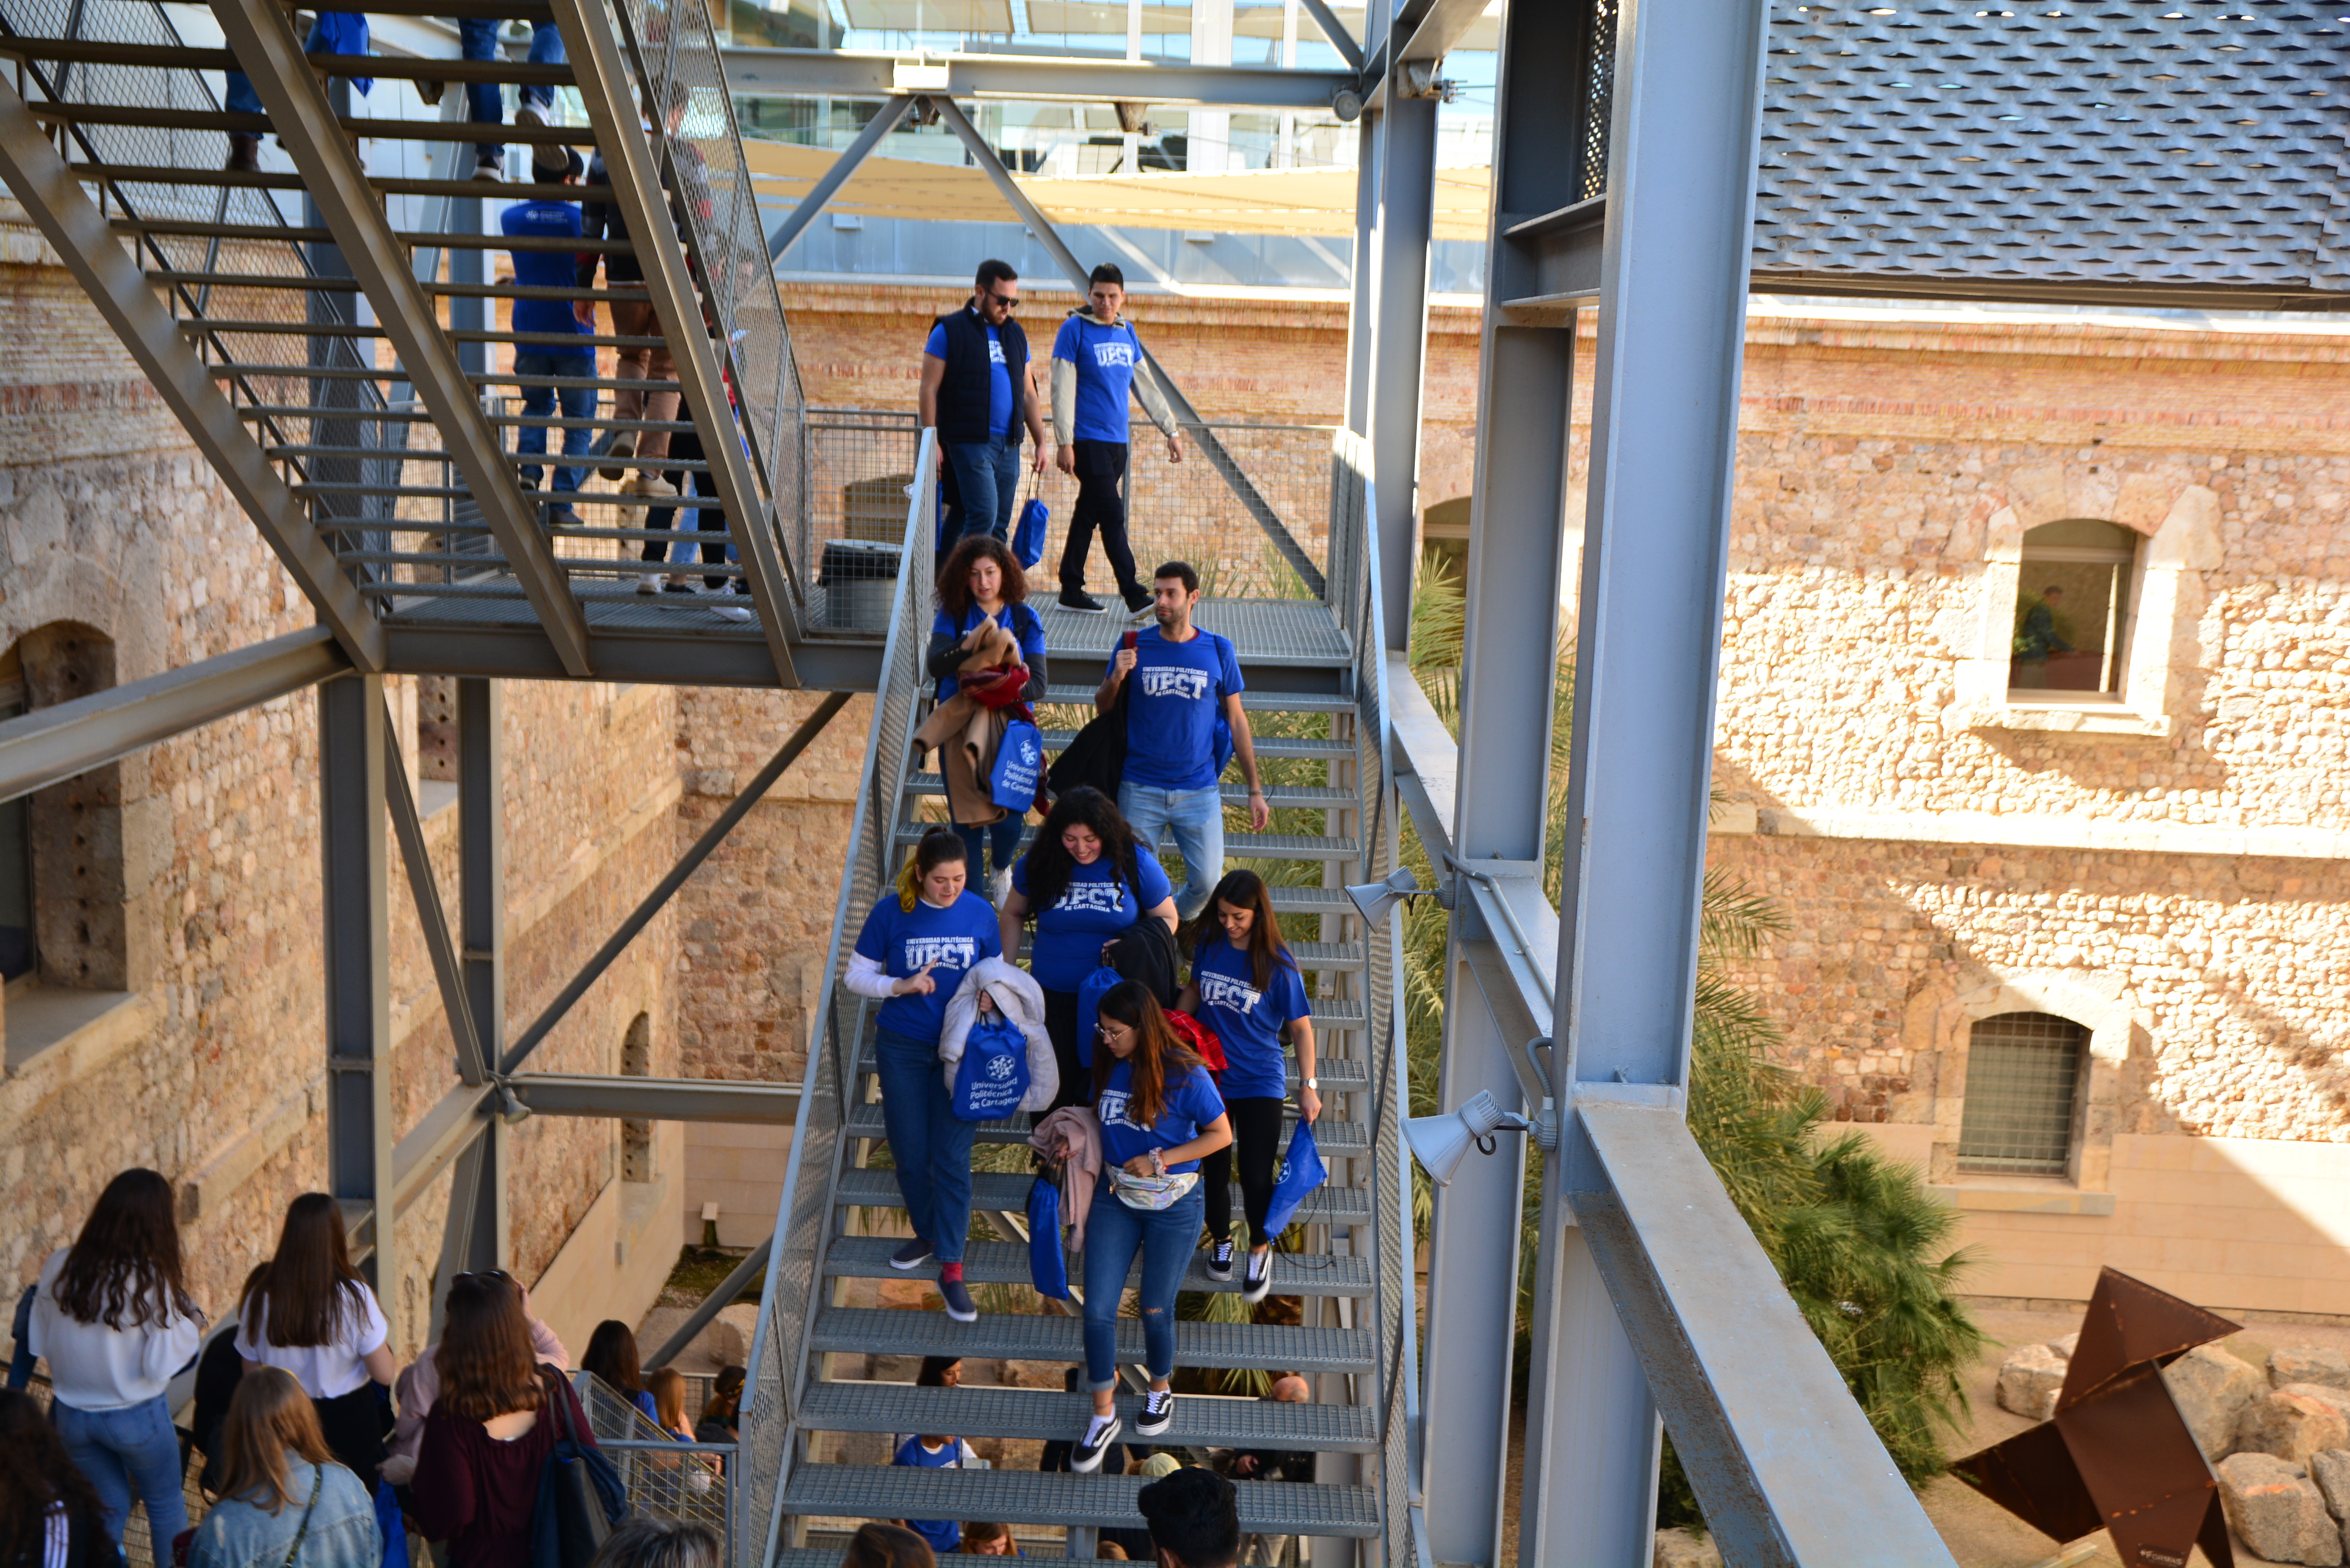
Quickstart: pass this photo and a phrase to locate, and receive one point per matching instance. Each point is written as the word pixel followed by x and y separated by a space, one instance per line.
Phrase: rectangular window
pixel 2072 611
pixel 2023 1073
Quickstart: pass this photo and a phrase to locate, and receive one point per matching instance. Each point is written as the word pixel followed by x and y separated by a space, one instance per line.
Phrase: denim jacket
pixel 240 1534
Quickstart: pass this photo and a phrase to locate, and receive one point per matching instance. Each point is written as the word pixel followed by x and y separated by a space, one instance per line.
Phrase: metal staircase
pixel 331 332
pixel 1356 1339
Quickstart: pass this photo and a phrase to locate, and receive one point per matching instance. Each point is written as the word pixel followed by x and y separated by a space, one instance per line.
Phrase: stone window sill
pixel 2074 718
pixel 56 1036
pixel 2021 1195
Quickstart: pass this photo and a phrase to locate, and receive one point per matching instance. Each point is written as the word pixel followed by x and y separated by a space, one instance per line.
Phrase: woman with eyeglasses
pixel 309 1312
pixel 498 1415
pixel 1159 1115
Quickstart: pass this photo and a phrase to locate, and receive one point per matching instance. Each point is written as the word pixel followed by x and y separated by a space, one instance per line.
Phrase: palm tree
pixel 1859 1243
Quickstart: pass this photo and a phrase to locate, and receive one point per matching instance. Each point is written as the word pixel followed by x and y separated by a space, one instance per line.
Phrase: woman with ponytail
pixel 917 945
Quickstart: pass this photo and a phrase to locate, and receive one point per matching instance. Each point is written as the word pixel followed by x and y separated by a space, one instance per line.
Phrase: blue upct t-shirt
pixel 1104 357
pixel 902 941
pixel 1171 715
pixel 1191 1103
pixel 1019 619
pixel 1092 908
pixel 999 375
pixel 944 1534
pixel 1248 1021
pixel 546 269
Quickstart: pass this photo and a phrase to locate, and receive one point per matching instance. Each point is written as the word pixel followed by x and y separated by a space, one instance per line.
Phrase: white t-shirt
pixel 325 1371
pixel 94 1367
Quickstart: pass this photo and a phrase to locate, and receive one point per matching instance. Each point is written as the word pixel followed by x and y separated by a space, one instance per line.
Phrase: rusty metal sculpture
pixel 2117 1455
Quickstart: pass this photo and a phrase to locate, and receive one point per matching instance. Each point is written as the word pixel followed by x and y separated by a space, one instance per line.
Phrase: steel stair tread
pixel 829 1557
pixel 989 1412
pixel 877 1188
pixel 1333 1137
pixel 1294 798
pixel 1007 1264
pixel 883 1331
pixel 1237 845
pixel 1341 1073
pixel 1309 955
pixel 1057 741
pixel 1025 1497
pixel 1251 702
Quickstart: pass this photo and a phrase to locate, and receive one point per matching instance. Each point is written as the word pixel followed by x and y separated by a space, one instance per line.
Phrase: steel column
pixel 282 75
pixel 1681 183
pixel 1399 348
pixel 53 197
pixel 885 121
pixel 608 89
pixel 432 918
pixel 355 910
pixel 481 919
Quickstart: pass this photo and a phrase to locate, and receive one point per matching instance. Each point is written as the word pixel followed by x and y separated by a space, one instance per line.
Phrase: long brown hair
pixel 667 1386
pixel 124 1270
pixel 612 1357
pixel 269 1415
pixel 1245 889
pixel 726 1401
pixel 1159 1054
pixel 308 1291
pixel 35 1476
pixel 888 1546
pixel 955 577
pixel 487 1367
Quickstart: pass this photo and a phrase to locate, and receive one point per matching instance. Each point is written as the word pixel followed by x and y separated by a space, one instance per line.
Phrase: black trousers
pixel 1061 1028
pixel 687 445
pixel 1256 1140
pixel 1101 504
pixel 353 1425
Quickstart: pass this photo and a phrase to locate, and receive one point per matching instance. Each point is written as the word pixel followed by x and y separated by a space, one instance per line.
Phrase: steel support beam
pixel 837 73
pixel 481 935
pixel 1438 29
pixel 687 863
pixel 408 829
pixel 1335 31
pixel 51 744
pixel 265 44
pixel 356 918
pixel 885 121
pixel 607 88
pixel 53 197
pixel 747 1273
pixel 1400 341
pixel 1308 570
pixel 656 1099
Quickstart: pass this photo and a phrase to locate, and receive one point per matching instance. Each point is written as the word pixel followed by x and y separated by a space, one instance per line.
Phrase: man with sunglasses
pixel 977 391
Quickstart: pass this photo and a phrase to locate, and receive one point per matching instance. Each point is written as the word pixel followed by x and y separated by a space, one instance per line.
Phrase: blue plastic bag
pixel 388 1524
pixel 1048 1268
pixel 1019 767
pixel 1090 991
pixel 1301 1172
pixel 1028 533
pixel 994 1072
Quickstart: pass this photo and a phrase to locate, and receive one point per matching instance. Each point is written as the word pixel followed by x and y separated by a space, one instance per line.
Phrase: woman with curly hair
pixel 113 1320
pixel 983 604
pixel 1086 878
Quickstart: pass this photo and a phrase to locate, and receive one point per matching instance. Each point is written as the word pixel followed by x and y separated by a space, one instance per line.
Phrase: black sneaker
pixel 960 1306
pixel 914 1254
pixel 1082 602
pixel 1220 1259
pixel 1137 600
pixel 1101 1433
pixel 1259 1282
pixel 1157 1413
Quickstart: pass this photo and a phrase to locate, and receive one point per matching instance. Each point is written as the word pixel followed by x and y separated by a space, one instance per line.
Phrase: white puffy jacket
pixel 1019 998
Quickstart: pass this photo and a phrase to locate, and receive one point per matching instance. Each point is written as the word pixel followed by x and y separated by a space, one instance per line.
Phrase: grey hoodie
pixel 1065 390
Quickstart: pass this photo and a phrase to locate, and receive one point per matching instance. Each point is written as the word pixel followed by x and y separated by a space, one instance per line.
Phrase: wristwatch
pixel 1313 1086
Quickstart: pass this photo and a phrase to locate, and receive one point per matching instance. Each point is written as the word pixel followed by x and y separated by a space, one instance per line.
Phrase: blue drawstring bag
pixel 1028 533
pixel 994 1072
pixel 1019 767
pixel 581 1497
pixel 388 1525
pixel 1048 1269
pixel 1301 1172
pixel 1090 991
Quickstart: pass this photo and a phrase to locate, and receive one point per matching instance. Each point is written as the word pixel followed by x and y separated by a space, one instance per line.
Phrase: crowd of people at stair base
pixel 1172 1088
pixel 978 391
pixel 315 1444
pixel 563 245
pixel 1191 1515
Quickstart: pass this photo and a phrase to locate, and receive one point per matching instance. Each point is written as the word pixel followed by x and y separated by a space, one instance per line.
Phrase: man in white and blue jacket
pixel 1094 357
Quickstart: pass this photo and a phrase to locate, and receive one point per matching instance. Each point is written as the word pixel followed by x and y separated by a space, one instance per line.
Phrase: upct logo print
pixel 1114 353
pixel 1168 681
pixel 1000 1068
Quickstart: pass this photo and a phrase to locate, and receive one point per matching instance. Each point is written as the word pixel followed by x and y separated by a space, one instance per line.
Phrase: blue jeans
pixel 127 1452
pixel 240 98
pixel 1002 837
pixel 1197 818
pixel 987 482
pixel 1166 1238
pixel 929 1145
pixel 477 40
pixel 579 403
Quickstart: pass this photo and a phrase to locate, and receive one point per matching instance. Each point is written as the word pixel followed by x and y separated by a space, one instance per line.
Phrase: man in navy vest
pixel 978 391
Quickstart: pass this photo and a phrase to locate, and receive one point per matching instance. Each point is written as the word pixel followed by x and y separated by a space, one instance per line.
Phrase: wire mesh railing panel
pixel 1599 98
pixel 667 1476
pixel 780 1360
pixel 859 464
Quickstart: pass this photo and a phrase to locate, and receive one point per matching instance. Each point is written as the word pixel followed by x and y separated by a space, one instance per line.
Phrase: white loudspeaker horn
pixel 1375 900
pixel 1442 1143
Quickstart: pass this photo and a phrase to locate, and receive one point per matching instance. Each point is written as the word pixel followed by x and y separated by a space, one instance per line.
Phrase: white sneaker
pixel 999 887
pixel 1257 1283
pixel 650 583
pixel 732 612
pixel 1101 1433
pixel 651 488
